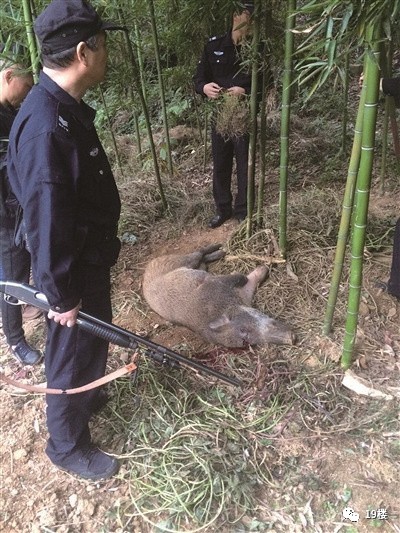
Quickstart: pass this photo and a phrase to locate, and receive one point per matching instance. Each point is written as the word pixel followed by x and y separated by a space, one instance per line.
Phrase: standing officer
pixel 220 68
pixel 71 207
pixel 15 261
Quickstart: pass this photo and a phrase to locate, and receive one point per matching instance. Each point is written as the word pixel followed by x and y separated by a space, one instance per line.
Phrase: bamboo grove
pixel 305 43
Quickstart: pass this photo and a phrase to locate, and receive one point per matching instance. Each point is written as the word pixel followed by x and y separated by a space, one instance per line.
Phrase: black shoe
pixel 385 287
pixel 218 220
pixel 90 464
pixel 101 400
pixel 25 353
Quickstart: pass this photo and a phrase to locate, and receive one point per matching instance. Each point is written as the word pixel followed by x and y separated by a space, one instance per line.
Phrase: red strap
pixel 127 369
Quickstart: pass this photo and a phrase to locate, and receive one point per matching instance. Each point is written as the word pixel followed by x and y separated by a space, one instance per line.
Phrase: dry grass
pixel 209 459
pixel 281 454
pixel 232 116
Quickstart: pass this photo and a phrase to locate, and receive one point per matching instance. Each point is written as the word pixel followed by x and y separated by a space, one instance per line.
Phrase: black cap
pixel 65 23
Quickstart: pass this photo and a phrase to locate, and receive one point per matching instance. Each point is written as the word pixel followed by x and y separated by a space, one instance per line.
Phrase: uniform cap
pixel 65 23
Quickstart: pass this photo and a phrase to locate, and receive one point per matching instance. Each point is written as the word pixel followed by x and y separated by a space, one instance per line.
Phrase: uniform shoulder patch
pixel 63 123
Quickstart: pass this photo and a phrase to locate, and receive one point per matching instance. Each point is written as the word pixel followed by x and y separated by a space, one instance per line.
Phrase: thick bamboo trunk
pixel 363 189
pixel 33 49
pixel 347 209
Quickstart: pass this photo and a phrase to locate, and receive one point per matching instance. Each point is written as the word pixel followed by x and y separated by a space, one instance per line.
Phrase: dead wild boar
pixel 217 307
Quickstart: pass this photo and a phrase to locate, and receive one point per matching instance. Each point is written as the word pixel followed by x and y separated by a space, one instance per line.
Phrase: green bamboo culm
pixel 114 141
pixel 32 43
pixel 263 145
pixel 347 209
pixel 345 116
pixel 161 86
pixel 138 137
pixel 285 125
pixel 363 189
pixel 139 52
pixel 253 119
pixel 137 84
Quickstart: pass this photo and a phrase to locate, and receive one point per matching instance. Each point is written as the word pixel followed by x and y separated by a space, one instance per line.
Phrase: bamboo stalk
pixel 111 130
pixel 136 81
pixel 363 189
pixel 285 125
pixel 32 44
pixel 139 53
pixel 161 86
pixel 253 120
pixel 263 145
pixel 138 138
pixel 347 208
pixel 345 116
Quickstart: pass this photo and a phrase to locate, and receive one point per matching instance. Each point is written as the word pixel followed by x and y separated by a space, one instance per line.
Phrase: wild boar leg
pixel 247 291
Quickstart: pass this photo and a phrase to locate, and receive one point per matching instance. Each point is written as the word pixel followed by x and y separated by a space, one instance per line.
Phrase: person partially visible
pixel 391 87
pixel 15 261
pixel 220 71
pixel 62 178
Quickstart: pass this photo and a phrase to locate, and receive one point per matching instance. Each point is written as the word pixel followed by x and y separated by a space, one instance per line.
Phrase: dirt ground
pixel 330 471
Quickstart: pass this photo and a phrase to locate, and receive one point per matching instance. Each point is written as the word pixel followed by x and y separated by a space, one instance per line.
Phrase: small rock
pixel 73 499
pixel 129 238
pixel 20 454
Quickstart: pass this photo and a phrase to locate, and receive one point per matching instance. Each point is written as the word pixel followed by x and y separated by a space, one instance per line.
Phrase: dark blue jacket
pixel 61 176
pixel 8 202
pixel 221 64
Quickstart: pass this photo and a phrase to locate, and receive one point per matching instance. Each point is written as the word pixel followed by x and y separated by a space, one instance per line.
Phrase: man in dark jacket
pixel 391 86
pixel 61 176
pixel 15 261
pixel 218 70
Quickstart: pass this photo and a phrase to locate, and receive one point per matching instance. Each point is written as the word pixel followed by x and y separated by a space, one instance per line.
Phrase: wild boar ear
pixel 220 322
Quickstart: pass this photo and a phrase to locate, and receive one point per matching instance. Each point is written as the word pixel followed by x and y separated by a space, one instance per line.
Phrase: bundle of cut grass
pixel 232 116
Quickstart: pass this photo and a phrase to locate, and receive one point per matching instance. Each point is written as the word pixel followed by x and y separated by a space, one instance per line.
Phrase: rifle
pixel 116 335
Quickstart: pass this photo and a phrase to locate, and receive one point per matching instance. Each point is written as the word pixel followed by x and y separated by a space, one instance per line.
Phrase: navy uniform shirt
pixel 221 64
pixel 61 176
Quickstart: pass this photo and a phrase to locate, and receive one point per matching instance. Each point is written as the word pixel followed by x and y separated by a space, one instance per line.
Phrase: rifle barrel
pixel 112 333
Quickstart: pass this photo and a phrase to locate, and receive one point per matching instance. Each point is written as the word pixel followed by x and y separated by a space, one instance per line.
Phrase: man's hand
pixel 236 91
pixel 212 90
pixel 65 319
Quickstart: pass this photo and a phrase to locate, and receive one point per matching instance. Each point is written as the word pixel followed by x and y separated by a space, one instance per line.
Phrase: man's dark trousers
pixel 223 152
pixel 15 264
pixel 394 280
pixel 72 352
